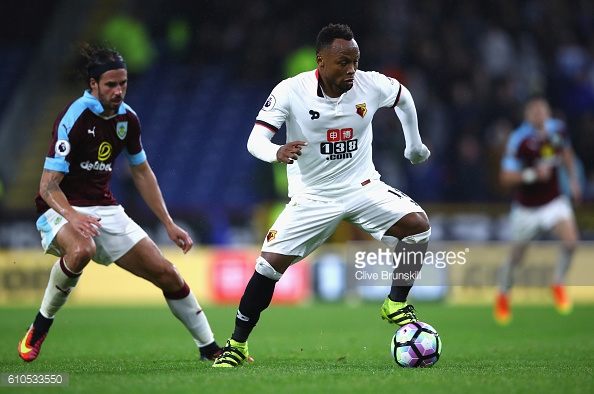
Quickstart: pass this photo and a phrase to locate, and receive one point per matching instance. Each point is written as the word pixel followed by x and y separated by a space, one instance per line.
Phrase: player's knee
pixel 422 224
pixel 419 238
pixel 265 269
pixel 569 246
pixel 79 256
pixel 166 277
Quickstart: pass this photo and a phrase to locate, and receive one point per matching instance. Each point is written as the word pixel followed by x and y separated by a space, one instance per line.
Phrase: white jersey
pixel 338 130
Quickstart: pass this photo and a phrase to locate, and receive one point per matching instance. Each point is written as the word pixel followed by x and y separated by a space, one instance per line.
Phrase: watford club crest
pixel 271 235
pixel 361 109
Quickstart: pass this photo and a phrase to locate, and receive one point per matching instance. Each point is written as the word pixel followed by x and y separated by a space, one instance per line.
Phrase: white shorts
pixel 528 222
pixel 117 236
pixel 307 221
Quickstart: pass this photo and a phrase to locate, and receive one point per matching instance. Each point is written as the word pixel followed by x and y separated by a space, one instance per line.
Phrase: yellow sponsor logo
pixel 104 151
pixel 547 151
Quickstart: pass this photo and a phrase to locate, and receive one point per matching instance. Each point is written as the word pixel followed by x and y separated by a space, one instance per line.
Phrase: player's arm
pixel 528 175
pixel 515 172
pixel 260 146
pixel 146 183
pixel 510 179
pixel 415 150
pixel 52 194
pixel 568 158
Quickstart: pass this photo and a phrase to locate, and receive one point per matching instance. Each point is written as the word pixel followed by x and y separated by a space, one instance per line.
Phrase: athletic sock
pixel 209 350
pixel 563 263
pixel 185 307
pixel 42 325
pixel 61 282
pixel 505 277
pixel 256 297
pixel 411 261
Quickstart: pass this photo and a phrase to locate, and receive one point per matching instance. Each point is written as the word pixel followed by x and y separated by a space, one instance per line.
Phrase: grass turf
pixel 315 348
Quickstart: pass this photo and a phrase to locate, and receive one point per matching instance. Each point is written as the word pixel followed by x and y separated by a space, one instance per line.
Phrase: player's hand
pixel 418 154
pixel 290 152
pixel 180 237
pixel 87 226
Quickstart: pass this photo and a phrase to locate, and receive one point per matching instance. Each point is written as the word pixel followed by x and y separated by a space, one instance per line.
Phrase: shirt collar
pixel 319 92
pixel 95 105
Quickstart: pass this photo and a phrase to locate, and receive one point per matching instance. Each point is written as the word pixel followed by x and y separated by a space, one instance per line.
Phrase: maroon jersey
pixel 527 149
pixel 84 147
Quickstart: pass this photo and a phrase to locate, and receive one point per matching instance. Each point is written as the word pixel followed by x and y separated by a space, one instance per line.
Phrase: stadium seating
pixel 195 125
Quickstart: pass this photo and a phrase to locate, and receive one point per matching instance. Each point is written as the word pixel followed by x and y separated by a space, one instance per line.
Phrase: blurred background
pixel 200 71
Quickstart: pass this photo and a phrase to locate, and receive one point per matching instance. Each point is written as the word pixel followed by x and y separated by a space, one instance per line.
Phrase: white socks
pixel 563 263
pixel 61 282
pixel 191 315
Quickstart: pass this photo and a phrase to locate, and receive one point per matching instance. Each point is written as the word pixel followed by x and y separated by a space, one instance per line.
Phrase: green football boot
pixel 232 355
pixel 398 312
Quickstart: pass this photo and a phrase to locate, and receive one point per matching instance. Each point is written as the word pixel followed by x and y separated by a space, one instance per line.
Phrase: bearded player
pixel 79 217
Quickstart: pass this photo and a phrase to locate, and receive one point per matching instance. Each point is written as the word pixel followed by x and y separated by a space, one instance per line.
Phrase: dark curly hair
pixel 98 58
pixel 328 34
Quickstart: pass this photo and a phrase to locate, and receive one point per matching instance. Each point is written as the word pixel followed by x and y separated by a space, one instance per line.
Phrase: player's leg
pixel 413 232
pixel 394 218
pixel 301 227
pixel 502 310
pixel 567 232
pixel 524 224
pixel 76 252
pixel 146 261
pixel 256 298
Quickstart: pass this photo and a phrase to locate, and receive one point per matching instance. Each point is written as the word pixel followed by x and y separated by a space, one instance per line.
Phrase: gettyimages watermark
pixel 474 264
pixel 374 264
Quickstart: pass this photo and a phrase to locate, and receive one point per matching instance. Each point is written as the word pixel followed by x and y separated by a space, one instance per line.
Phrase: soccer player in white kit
pixel 328 114
pixel 80 218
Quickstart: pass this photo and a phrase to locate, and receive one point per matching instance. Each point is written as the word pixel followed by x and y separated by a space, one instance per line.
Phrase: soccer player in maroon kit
pixel 534 152
pixel 80 219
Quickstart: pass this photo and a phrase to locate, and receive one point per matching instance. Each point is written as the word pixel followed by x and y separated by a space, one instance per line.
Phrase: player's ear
pixel 94 84
pixel 320 60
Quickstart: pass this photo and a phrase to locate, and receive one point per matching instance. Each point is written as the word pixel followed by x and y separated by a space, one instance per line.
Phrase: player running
pixel 80 218
pixel 328 114
pixel 534 152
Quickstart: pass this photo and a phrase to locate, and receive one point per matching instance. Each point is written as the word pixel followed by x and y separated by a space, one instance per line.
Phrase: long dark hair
pixel 99 58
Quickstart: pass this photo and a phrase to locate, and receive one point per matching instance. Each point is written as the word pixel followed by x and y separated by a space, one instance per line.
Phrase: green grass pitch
pixel 318 348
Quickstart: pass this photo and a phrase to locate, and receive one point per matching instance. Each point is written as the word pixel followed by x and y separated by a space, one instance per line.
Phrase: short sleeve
pixel 276 109
pixel 390 89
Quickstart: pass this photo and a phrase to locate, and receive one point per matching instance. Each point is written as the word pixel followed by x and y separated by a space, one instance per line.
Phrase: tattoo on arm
pixel 51 183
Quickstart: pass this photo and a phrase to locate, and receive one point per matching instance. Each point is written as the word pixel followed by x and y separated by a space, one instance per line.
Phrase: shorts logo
pixel 62 148
pixel 271 235
pixel 361 109
pixel 57 220
pixel 269 104
pixel 122 129
pixel 104 151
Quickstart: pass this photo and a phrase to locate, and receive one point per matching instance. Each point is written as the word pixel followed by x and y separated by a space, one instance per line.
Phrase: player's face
pixel 110 90
pixel 337 65
pixel 537 112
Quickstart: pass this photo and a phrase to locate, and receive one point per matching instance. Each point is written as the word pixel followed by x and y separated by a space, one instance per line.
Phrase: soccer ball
pixel 416 344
